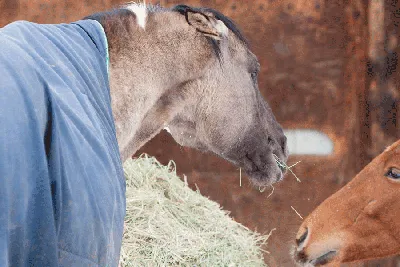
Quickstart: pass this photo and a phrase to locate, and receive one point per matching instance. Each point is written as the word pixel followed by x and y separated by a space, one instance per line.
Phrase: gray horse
pixel 190 70
pixel 68 116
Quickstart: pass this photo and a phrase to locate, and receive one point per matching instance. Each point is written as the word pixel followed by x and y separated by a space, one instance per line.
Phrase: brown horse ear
pixel 207 25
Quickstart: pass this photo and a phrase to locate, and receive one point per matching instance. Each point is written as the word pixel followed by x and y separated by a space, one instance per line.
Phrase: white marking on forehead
pixel 140 11
pixel 221 28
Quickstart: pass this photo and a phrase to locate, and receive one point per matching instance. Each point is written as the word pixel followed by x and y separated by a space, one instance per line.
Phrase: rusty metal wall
pixel 314 58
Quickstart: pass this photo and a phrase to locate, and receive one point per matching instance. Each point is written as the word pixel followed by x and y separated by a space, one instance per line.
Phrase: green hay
pixel 168 224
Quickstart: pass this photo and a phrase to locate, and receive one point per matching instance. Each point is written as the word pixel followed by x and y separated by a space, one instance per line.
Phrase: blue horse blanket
pixel 62 193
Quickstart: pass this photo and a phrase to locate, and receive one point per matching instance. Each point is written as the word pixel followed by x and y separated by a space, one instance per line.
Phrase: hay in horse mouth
pixel 284 167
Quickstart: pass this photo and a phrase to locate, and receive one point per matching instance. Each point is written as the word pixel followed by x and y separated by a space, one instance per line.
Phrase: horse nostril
pixel 284 142
pixel 270 140
pixel 300 240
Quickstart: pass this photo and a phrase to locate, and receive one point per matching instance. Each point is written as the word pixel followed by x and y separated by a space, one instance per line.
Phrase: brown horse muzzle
pixel 310 252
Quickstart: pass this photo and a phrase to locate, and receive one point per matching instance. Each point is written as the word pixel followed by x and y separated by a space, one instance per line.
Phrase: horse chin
pixel 261 169
pixel 322 260
pixel 266 178
pixel 261 179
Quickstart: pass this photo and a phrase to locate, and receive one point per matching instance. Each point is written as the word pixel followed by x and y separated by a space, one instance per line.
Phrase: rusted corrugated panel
pixel 55 11
pixel 9 9
pixel 383 96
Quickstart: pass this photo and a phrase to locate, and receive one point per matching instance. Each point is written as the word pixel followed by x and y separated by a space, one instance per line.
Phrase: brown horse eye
pixel 393 173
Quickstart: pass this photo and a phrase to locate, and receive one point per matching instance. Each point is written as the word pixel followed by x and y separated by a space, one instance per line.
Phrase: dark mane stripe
pixel 218 15
pixel 122 13
pixel 183 9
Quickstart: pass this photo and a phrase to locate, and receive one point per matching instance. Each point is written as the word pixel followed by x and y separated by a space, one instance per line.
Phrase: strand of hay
pixel 283 165
pixel 168 224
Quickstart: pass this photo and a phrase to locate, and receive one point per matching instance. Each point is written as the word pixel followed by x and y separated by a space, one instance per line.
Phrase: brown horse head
pixel 190 70
pixel 359 222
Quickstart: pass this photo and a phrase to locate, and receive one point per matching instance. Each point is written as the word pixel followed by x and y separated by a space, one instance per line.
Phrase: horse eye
pixel 393 173
pixel 254 76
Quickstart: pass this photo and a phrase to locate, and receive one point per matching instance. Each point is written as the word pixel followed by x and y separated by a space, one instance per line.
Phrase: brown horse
pixel 360 221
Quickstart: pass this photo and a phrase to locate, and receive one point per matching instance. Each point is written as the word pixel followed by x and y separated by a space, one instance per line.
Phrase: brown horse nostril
pixel 303 237
pixel 301 257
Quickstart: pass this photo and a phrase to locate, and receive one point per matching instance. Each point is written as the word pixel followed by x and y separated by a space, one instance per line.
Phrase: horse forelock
pixel 141 11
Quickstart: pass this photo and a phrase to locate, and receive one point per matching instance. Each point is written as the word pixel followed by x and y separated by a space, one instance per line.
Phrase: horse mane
pixel 125 12
pixel 183 9
pixel 218 15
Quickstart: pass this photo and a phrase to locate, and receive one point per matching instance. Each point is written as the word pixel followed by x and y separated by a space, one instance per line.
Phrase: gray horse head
pixel 191 70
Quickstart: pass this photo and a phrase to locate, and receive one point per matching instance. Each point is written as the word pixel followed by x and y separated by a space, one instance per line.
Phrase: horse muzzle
pixel 309 252
pixel 304 260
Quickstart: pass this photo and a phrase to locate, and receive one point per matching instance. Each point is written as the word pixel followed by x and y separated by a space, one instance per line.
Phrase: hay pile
pixel 168 224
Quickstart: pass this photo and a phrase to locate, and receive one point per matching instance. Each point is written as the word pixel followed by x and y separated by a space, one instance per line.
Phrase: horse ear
pixel 207 25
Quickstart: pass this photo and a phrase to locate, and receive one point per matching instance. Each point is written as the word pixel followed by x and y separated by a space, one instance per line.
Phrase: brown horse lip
pixel 324 259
